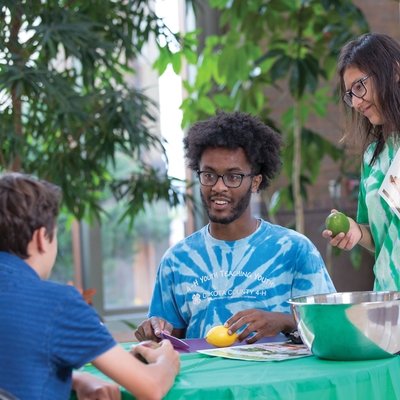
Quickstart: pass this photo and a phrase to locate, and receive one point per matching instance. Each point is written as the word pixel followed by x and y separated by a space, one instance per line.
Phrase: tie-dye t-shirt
pixel 202 281
pixel 384 224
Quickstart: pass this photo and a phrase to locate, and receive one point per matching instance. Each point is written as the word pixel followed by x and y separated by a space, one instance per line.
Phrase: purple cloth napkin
pixel 201 344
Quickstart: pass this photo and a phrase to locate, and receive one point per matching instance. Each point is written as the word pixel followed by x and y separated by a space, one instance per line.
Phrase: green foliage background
pixel 66 107
pixel 290 46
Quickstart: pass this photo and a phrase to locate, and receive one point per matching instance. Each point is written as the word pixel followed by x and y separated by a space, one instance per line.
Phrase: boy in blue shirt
pixel 46 328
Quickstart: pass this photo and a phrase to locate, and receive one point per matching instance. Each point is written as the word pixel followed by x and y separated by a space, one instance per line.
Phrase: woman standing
pixel 369 70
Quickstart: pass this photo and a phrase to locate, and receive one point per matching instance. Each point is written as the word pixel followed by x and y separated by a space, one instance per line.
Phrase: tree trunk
pixel 298 203
pixel 15 49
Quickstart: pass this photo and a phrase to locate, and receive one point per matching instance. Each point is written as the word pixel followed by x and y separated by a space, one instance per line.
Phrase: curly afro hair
pixel 260 143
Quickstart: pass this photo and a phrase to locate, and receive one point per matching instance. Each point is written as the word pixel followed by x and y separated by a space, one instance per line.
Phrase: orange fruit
pixel 337 222
pixel 218 337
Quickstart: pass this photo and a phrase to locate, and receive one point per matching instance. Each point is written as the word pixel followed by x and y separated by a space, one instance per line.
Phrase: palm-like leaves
pixel 66 107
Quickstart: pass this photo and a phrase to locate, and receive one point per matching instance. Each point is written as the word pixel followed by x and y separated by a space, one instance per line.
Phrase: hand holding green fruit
pixel 337 222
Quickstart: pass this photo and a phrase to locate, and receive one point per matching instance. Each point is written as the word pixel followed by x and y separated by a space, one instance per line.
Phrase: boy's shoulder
pixel 20 280
pixel 49 293
pixel 60 293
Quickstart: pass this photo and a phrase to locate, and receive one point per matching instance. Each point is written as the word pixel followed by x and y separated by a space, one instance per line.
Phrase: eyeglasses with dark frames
pixel 230 180
pixel 357 89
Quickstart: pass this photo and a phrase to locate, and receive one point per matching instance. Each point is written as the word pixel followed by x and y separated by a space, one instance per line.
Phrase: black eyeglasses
pixel 357 89
pixel 230 180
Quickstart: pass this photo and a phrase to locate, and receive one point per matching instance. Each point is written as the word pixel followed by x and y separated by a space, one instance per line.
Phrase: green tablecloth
pixel 309 378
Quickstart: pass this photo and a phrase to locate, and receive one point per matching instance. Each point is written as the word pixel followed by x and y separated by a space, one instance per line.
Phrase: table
pixel 309 378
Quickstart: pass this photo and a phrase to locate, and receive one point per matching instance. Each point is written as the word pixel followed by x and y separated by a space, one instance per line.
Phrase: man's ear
pixel 40 239
pixel 256 183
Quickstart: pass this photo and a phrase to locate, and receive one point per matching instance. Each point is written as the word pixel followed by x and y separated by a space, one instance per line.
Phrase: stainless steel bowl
pixel 350 325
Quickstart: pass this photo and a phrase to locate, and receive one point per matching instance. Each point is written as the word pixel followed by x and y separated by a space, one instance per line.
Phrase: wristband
pixel 362 235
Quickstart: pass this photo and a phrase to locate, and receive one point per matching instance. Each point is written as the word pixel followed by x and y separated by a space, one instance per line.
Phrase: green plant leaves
pixel 285 47
pixel 68 110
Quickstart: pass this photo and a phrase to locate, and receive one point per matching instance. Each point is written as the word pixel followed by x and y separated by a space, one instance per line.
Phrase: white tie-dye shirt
pixel 202 281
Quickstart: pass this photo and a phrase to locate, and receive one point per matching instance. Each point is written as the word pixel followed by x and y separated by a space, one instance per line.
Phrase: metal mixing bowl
pixel 350 325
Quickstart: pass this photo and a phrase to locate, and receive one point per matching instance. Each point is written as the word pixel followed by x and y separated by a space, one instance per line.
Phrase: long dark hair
pixel 379 55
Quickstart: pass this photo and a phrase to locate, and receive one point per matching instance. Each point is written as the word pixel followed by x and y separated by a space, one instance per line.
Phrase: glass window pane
pixel 63 270
pixel 131 255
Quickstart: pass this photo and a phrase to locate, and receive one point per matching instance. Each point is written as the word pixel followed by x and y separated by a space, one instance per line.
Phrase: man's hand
pixel 150 328
pixel 88 387
pixel 263 323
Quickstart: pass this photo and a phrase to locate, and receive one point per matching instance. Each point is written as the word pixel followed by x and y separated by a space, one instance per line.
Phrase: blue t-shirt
pixel 46 330
pixel 202 281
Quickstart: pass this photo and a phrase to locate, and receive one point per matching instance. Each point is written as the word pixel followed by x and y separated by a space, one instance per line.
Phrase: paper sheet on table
pixel 261 352
pixel 390 188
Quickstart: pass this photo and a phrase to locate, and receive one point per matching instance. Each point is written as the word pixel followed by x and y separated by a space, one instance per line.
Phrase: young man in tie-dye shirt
pixel 238 270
